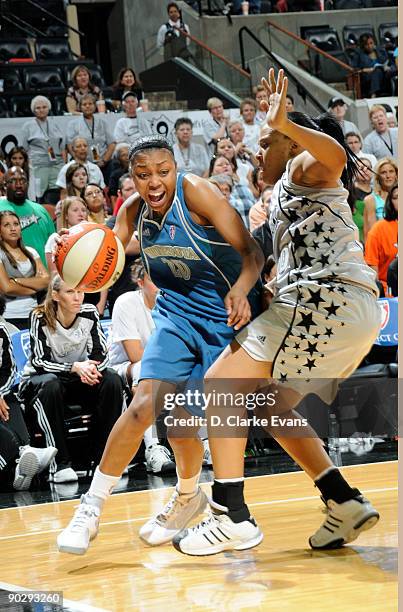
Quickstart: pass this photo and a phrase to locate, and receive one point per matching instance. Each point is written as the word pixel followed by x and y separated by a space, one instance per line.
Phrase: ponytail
pixel 329 125
pixel 48 309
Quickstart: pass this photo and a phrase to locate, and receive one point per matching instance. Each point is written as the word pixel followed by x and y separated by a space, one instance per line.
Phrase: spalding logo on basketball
pixel 91 257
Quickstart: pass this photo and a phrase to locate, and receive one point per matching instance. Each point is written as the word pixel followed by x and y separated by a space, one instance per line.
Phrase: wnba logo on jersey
pixel 385 313
pixel 172 231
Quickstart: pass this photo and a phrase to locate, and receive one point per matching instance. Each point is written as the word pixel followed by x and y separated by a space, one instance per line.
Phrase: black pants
pixel 13 434
pixel 47 397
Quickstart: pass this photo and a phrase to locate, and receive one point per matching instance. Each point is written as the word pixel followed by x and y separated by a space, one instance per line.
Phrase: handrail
pixel 354 73
pixel 270 54
pixel 43 10
pixel 19 23
pixel 215 53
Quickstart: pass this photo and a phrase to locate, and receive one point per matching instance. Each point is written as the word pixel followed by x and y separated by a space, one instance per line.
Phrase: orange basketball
pixel 91 257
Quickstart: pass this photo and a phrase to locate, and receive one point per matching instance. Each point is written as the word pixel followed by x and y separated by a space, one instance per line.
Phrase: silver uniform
pixel 324 317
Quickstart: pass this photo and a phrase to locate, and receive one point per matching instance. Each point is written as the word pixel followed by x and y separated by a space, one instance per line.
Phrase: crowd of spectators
pixel 57 180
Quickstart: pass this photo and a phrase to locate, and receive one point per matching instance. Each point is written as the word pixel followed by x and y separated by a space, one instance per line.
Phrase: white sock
pixel 240 479
pixel 102 485
pixel 187 485
pixel 148 437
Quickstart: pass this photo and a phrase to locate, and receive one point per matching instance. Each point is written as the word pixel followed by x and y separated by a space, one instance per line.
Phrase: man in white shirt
pixel 133 125
pixel 132 325
pixel 79 147
pixel 382 141
pixel 169 40
pixel 338 108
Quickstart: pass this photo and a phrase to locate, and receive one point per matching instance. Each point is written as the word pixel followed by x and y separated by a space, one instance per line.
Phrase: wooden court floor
pixel 121 573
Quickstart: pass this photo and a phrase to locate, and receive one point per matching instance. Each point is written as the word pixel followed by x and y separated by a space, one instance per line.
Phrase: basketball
pixel 91 257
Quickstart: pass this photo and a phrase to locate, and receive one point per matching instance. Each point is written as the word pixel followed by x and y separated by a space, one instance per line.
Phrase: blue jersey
pixel 191 264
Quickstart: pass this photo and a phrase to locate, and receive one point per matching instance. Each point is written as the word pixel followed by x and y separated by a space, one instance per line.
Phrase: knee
pixel 50 383
pixel 141 408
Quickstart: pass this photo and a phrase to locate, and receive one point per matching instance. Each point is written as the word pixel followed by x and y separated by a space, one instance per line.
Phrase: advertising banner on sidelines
pixel 161 122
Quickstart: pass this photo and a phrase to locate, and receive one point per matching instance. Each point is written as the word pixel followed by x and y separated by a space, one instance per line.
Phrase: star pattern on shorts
pixel 315 298
pixel 310 363
pixel 329 332
pixel 311 348
pixel 332 309
pixel 324 259
pixel 317 228
pixel 327 240
pixel 299 239
pixel 321 212
pixel 283 377
pixel 292 215
pixel 306 259
pixel 306 321
pixel 315 245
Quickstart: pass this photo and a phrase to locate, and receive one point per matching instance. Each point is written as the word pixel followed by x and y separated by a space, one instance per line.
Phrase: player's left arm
pixel 205 200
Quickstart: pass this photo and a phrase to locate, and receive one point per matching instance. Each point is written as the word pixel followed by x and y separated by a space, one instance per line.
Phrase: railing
pixel 218 67
pixel 301 90
pixel 353 73
pixel 49 14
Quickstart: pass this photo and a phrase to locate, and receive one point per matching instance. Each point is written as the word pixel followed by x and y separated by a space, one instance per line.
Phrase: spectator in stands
pixel 257 182
pixel 19 462
pixel 94 198
pixel 386 172
pixel 35 221
pixel 242 169
pixel 18 156
pixel 355 143
pixel 373 64
pixel 22 273
pixel 121 165
pixel 254 7
pixel 224 183
pixel 68 364
pixel 258 212
pixel 169 40
pixel 81 85
pixel 133 125
pixel 252 129
pixel 216 126
pixel 79 148
pixel 289 104
pixel 126 188
pixel 361 189
pixel 73 211
pixel 241 197
pixel 132 326
pixel 244 154
pixel 45 144
pixel 3 171
pixel 260 95
pixel 381 244
pixel 126 81
pixel 294 6
pixel 76 180
pixel 382 141
pixel 393 278
pixel 99 138
pixel 189 156
pixel 338 108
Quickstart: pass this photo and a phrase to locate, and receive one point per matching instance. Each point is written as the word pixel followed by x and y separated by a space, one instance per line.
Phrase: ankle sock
pixel 185 486
pixel 101 487
pixel 228 495
pixel 332 485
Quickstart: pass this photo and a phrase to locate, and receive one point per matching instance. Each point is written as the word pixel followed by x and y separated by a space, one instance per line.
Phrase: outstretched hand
pixel 276 116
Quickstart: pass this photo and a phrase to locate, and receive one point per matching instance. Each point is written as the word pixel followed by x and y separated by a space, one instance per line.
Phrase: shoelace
pixel 207 523
pixel 163 450
pixel 78 522
pixel 170 506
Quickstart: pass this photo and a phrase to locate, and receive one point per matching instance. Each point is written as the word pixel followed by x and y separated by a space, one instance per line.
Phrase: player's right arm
pixel 125 220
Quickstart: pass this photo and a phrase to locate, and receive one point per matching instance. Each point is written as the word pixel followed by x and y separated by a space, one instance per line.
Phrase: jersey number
pixel 178 268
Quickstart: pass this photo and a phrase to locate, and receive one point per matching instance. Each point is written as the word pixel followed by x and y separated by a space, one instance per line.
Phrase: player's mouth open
pixel 156 197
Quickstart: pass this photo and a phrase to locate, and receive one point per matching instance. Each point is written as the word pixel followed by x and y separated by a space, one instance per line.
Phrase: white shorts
pixel 121 369
pixel 315 331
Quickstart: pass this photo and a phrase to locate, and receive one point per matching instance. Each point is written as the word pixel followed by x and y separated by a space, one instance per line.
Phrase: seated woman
pixel 381 244
pixel 386 172
pixel 374 68
pixel 76 180
pixel 361 189
pixel 68 364
pixel 242 167
pixel 19 462
pixel 81 85
pixel 22 273
pixel 126 81
pixel 241 197
pixel 94 198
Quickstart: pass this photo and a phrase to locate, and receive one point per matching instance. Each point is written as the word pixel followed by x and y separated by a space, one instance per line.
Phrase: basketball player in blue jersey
pixel 322 321
pixel 197 251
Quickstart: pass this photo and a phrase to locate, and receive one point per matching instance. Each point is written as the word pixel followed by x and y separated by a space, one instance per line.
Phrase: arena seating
pixel 52 49
pixel 11 48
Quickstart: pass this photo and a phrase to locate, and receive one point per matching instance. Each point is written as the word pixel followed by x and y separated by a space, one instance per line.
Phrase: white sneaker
pixel 176 514
pixel 159 460
pixel 207 454
pixel 65 475
pixel 32 461
pixel 344 522
pixel 216 534
pixel 83 528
